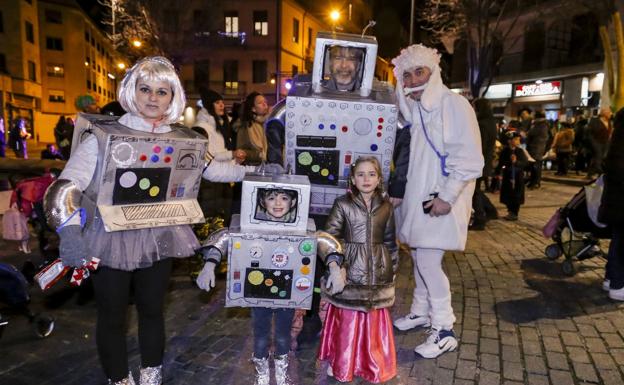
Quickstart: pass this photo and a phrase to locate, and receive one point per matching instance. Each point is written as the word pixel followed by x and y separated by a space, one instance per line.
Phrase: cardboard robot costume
pixel 271 262
pixel 327 129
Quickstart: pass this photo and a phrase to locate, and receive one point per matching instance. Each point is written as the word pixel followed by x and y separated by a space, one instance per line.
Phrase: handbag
pixel 15 225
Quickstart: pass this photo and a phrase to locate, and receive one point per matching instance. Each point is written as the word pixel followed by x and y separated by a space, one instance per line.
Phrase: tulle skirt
pixel 136 249
pixel 358 343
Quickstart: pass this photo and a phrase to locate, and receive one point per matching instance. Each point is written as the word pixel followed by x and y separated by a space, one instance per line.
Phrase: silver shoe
pixel 262 370
pixel 126 381
pixel 151 375
pixel 281 370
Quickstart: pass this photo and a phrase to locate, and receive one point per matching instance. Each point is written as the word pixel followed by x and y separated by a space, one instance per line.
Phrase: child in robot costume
pixel 275 205
pixel 445 159
pixel 141 258
pixel 357 337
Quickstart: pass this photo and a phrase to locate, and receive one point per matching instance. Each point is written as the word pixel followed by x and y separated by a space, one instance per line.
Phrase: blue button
pixel 237 287
pixel 154 158
pixel 321 126
pixel 373 147
pixel 332 126
pixel 169 150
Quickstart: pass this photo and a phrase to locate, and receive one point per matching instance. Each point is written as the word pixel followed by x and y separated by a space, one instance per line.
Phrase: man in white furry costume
pixel 444 162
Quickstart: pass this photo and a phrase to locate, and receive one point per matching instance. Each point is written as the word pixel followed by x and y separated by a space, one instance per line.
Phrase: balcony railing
pixel 217 38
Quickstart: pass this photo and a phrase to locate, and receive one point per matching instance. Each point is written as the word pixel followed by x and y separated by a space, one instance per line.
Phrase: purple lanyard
pixel 440 156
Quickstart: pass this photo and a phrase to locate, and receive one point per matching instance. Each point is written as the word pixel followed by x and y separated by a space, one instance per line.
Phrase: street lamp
pixel 334 15
pixel 121 66
pixel 137 43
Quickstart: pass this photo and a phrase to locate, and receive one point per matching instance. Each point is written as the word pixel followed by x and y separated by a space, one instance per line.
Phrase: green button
pixel 307 247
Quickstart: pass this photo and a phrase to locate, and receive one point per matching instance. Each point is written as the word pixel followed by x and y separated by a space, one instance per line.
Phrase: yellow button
pixel 305 270
pixel 255 277
pixel 237 245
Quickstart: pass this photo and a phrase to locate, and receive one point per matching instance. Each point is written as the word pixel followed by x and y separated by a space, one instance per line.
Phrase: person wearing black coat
pixel 611 209
pixel 511 164
pixel 536 146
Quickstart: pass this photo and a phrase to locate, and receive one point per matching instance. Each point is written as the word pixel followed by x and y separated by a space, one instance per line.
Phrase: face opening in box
pixel 276 205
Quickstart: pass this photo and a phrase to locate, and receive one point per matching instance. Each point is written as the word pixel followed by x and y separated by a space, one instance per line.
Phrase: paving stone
pixel 571 339
pixel 585 372
pixel 512 354
pixel 468 352
pixel 490 362
pixel 466 369
pixel 611 377
pixel 596 345
pixel 470 336
pixel 603 361
pixel 587 330
pixel 557 361
pixel 529 334
pixel 552 344
pixel 577 354
pixel 558 377
pixel 535 365
pixel 513 371
pixel 488 345
pixel 532 347
pixel 535 379
pixel 489 378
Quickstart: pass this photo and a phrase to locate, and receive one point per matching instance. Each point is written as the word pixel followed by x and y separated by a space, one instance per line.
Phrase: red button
pixel 380 120
pixel 348 159
pixel 167 159
pixel 345 128
pixel 143 157
pixel 379 134
pixel 380 127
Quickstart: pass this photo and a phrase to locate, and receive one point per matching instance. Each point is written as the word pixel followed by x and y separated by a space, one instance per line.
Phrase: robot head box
pixel 344 62
pixel 275 203
pixel 143 179
pixel 327 129
pixel 272 245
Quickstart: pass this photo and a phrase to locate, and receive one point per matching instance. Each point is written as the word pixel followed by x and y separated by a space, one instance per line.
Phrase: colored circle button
pixel 305 270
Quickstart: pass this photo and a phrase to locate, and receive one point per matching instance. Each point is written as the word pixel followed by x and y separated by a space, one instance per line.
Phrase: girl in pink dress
pixel 357 337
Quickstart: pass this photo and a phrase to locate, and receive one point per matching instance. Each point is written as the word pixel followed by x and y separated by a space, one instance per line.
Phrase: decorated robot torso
pixel 326 128
pixel 272 250
pixel 143 179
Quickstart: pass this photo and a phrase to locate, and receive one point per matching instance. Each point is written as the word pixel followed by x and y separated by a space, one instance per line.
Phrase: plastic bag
pixel 593 195
pixel 15 225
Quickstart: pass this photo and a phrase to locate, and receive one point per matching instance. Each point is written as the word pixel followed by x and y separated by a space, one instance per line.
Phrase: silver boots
pixel 151 375
pixel 126 381
pixel 281 370
pixel 262 370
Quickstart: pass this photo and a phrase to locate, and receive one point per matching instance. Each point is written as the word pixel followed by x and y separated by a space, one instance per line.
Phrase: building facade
pixel 552 61
pixel 238 46
pixel 53 53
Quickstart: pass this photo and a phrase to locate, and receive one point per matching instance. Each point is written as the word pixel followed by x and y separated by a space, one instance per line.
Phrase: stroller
pixel 14 293
pixel 575 235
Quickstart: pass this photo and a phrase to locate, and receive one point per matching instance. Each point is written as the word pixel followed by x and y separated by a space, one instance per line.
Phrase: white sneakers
pixel 411 321
pixel 438 342
pixel 605 284
pixel 617 294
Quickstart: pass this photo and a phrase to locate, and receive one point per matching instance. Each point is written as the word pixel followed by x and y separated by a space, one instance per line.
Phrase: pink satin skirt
pixel 358 343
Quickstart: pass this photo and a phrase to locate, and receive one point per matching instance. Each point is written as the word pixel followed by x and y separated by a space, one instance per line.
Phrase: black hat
pixel 208 97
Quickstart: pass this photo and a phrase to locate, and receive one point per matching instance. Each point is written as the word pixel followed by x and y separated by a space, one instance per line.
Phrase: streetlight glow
pixel 121 66
pixel 334 15
pixel 137 43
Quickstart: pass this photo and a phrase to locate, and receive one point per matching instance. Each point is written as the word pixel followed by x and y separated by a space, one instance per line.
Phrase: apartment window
pixel 54 43
pixel 99 90
pixel 259 71
pixel 230 76
pixel 55 70
pixel 295 70
pixel 295 35
pixel 56 96
pixel 261 23
pixel 1 23
pixel 231 23
pixel 92 41
pixel 87 36
pixel 53 16
pixel 32 71
pixel 30 32
pixel 3 63
pixel 88 84
pixel 309 37
pixel 201 73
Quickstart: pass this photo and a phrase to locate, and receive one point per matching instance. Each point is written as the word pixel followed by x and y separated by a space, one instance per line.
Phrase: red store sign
pixel 535 89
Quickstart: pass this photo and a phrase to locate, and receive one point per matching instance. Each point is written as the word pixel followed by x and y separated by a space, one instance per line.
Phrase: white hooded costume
pixel 452 126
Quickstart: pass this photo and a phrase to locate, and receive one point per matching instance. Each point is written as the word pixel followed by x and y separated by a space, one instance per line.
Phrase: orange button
pixel 305 270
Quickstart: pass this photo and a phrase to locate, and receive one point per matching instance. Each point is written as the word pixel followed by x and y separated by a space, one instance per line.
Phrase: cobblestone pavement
pixel 519 320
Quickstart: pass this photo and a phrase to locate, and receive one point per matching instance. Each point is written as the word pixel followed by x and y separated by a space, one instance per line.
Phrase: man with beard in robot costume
pixel 444 161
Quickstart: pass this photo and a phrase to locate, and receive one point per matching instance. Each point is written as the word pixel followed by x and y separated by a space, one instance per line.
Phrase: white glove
pixel 337 279
pixel 206 278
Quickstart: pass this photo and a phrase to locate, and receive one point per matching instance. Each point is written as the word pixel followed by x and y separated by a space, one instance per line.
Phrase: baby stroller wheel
pixel 43 325
pixel 568 267
pixel 553 251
